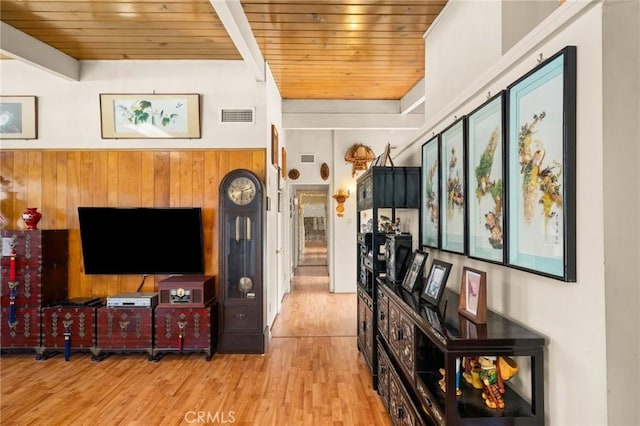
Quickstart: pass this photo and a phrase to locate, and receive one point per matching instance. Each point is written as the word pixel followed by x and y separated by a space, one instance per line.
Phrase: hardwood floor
pixel 312 374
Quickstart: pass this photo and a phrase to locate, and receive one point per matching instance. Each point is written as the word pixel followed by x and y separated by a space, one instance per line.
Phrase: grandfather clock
pixel 241 228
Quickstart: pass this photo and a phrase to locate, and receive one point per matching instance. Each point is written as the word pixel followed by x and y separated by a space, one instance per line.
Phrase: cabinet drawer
pixel 384 370
pixel 242 318
pixel 195 325
pixel 81 322
pixel 401 408
pixel 402 339
pixel 383 315
pixel 125 328
pixel 24 332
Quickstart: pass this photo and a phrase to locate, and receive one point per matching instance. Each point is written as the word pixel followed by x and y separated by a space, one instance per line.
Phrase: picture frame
pixel 150 116
pixel 485 180
pixel 473 295
pixel 275 150
pixel 18 117
pixel 541 206
pixel 413 276
pixel 436 282
pixel 430 202
pixel 283 159
pixel 452 188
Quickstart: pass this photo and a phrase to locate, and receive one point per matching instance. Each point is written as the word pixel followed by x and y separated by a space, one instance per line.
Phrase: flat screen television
pixel 141 240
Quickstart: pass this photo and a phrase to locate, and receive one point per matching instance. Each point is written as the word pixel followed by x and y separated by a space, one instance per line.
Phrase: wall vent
pixel 308 158
pixel 237 115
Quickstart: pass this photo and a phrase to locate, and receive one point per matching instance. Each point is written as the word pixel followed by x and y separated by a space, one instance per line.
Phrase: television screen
pixel 141 240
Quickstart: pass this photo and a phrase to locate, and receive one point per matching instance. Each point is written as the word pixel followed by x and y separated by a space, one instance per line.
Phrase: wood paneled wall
pixel 57 182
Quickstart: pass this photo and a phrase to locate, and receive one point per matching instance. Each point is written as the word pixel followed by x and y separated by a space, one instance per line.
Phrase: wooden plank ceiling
pixel 316 49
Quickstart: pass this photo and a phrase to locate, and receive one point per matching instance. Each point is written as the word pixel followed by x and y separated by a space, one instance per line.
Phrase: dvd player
pixel 133 300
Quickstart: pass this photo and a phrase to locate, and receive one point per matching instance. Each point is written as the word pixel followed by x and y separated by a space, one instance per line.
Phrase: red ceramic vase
pixel 31 217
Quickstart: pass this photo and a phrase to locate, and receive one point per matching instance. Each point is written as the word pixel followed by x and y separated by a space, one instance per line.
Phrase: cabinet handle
pixel 399 334
pixel 400 413
pixel 241 316
pixel 382 315
pixel 364 325
pixel 383 369
pixel 429 403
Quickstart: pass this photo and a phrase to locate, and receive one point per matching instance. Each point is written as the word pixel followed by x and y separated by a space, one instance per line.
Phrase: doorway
pixel 311 235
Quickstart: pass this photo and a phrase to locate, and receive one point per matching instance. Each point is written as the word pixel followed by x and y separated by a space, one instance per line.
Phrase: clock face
pixel 241 191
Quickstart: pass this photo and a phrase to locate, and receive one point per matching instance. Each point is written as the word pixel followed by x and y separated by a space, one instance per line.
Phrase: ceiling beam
pixel 235 22
pixel 413 98
pixel 23 47
pixel 347 115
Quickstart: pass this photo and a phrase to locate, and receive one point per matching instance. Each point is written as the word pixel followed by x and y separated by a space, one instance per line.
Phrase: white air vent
pixel 308 158
pixel 237 115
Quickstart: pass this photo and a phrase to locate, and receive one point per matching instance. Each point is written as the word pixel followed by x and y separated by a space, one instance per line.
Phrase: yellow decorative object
pixel 359 155
pixel 340 196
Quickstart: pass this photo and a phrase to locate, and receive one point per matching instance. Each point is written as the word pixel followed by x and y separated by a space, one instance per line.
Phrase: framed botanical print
pixel 162 116
pixel 452 188
pixel 485 178
pixel 541 169
pixel 430 203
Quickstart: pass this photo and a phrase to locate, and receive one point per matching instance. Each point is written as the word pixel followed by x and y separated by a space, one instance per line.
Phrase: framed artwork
pixel 485 178
pixel 283 159
pixel 414 273
pixel 541 169
pixel 159 116
pixel 473 295
pixel 436 282
pixel 452 188
pixel 275 150
pixel 18 117
pixel 430 203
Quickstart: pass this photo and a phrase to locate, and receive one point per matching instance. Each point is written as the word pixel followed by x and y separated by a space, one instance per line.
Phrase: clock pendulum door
pixel 245 283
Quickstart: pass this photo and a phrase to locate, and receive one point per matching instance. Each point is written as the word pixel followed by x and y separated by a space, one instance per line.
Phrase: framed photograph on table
pixel 18 117
pixel 452 188
pixel 541 169
pixel 436 282
pixel 141 116
pixel 430 203
pixel 413 277
pixel 485 177
pixel 473 295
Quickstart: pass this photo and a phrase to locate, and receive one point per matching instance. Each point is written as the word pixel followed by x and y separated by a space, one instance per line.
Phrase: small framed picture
pixel 473 295
pixel 436 282
pixel 18 117
pixel 414 274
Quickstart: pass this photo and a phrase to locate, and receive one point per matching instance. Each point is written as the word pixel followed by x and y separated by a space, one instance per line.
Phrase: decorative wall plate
pixel 324 171
pixel 294 174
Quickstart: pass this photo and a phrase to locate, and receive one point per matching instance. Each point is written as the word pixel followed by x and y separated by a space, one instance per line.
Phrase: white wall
pixel 621 159
pixel 464 41
pixel 570 315
pixel 274 248
pixel 69 111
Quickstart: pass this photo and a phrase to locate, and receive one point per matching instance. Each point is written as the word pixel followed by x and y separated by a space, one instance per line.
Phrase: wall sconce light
pixel 341 196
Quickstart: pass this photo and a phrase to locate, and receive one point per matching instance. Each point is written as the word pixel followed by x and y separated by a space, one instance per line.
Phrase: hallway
pixel 310 310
